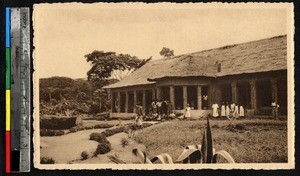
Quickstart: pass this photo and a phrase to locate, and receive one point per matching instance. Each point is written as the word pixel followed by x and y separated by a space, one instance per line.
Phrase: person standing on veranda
pixel 232 112
pixel 223 110
pixel 187 111
pixel 236 111
pixel 215 108
pixel 227 110
pixel 242 111
pixel 275 107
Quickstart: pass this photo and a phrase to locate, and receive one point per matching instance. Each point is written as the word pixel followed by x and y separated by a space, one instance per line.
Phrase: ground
pixel 258 141
pixel 255 141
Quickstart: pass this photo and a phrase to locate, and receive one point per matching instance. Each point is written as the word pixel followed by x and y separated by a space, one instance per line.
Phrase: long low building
pixel 251 74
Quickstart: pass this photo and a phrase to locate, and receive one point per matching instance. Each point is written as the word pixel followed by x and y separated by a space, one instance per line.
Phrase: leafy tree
pixel 106 65
pixel 166 52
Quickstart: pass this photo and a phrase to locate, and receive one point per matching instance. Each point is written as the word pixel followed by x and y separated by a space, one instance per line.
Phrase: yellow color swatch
pixel 7 110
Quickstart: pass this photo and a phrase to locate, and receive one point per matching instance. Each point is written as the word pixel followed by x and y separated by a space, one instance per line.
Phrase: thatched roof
pixel 252 57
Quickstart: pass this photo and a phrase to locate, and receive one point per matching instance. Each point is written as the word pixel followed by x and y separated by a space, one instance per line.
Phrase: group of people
pixel 160 107
pixel 230 111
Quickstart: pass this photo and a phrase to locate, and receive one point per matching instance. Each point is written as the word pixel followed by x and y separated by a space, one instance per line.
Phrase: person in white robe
pixel 215 107
pixel 223 113
pixel 242 111
pixel 227 111
pixel 232 111
pixel 187 111
pixel 236 111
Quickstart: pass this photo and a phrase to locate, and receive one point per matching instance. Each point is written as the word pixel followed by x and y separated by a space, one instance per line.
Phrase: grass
pixel 260 141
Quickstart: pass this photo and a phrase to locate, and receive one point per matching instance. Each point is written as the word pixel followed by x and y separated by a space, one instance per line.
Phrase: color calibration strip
pixel 8 96
pixel 18 90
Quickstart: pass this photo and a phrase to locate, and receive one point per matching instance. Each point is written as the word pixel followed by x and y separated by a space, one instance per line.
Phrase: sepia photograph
pixel 163 86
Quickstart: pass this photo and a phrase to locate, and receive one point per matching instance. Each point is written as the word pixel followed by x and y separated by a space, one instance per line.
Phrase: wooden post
pixel 127 102
pixel 199 97
pixel 172 96
pixel 134 98
pixel 111 101
pixel 144 100
pixel 274 90
pixel 185 99
pixel 119 102
pixel 234 92
pixel 153 95
pixel 158 95
pixel 253 94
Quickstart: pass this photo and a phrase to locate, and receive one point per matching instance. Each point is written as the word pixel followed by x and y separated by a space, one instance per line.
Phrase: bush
pixel 47 160
pixel 124 142
pixel 84 155
pixel 74 129
pixel 58 123
pixel 110 132
pixel 45 132
pixel 89 127
pixel 99 137
pixel 104 125
pixel 59 133
pixel 103 148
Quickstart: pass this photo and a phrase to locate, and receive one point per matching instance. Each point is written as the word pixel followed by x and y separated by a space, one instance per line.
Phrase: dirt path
pixel 68 147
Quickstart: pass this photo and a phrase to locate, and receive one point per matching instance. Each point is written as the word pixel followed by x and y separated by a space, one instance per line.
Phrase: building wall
pixel 214 86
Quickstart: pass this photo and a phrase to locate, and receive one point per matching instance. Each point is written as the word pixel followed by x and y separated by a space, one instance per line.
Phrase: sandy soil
pixel 68 147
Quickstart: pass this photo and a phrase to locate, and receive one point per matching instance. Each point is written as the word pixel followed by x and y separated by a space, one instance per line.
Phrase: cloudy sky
pixel 64 33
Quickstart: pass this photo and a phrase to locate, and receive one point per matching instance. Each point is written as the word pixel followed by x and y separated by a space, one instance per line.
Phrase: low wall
pixel 122 115
pixel 196 114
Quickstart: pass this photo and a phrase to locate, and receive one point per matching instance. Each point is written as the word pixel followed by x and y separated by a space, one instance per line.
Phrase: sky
pixel 64 33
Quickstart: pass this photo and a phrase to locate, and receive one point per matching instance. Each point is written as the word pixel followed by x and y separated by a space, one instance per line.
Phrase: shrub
pixel 110 132
pixel 103 148
pixel 45 132
pixel 104 125
pixel 59 133
pixel 124 142
pixel 74 129
pixel 84 155
pixel 47 160
pixel 240 127
pixel 99 137
pixel 89 127
pixel 58 123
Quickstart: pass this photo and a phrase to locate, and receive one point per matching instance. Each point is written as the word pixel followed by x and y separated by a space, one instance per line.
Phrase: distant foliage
pixel 166 52
pixel 107 65
pixel 59 95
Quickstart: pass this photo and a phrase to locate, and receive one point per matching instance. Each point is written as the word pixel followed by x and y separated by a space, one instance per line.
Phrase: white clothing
pixel 232 107
pixel 227 110
pixel 242 112
pixel 236 110
pixel 223 113
pixel 188 112
pixel 215 110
